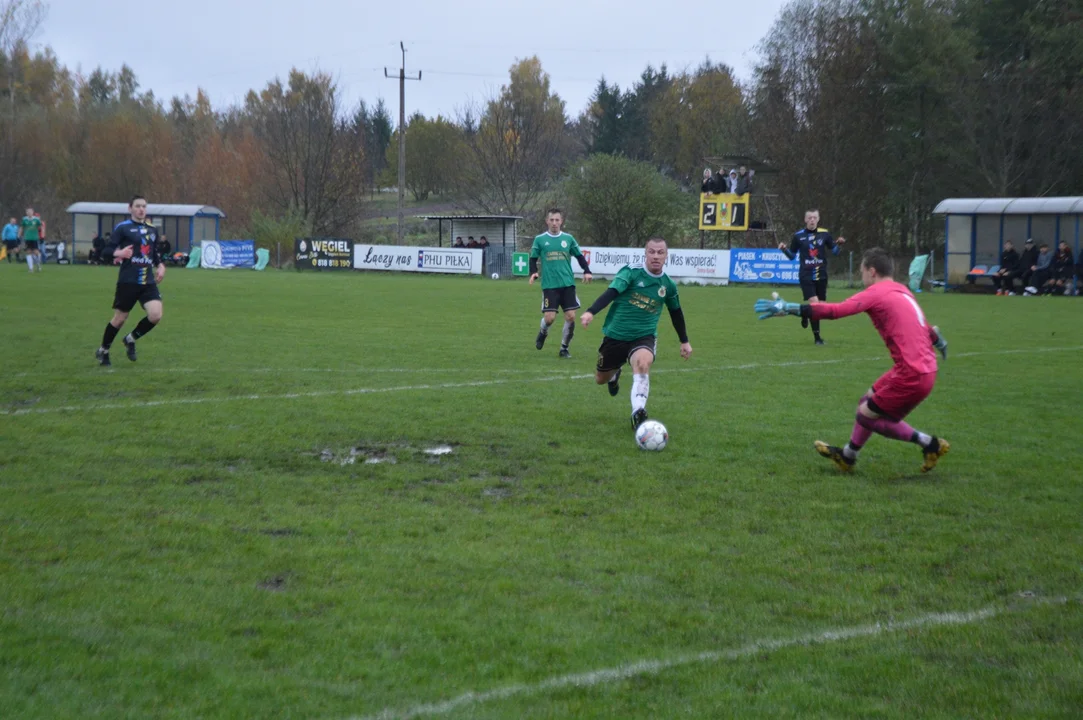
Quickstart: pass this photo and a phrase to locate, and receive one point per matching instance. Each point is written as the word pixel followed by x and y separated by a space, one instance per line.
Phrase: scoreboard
pixel 724 211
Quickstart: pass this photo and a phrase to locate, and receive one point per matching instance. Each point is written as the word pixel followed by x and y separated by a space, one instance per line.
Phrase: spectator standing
pixel 11 238
pixel 483 243
pixel 1027 261
pixel 1042 270
pixel 744 181
pixel 1009 264
pixel 731 181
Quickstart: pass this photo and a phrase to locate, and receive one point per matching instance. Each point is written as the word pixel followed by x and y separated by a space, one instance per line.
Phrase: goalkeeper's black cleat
pixel 835 455
pixel 614 384
pixel 129 347
pixel 102 356
pixel 565 354
pixel 937 449
pixel 539 342
pixel 638 418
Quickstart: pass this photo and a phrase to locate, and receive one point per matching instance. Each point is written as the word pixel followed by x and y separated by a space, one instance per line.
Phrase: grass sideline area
pixel 251 521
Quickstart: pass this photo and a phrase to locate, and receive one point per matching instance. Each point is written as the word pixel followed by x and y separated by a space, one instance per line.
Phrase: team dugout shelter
pixel 185 226
pixel 975 229
pixel 498 229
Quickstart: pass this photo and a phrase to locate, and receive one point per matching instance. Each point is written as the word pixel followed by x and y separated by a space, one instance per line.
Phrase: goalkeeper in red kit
pixel 898 318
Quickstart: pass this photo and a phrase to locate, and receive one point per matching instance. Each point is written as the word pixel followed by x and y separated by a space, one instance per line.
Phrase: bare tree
pixel 20 21
pixel 314 167
pixel 519 145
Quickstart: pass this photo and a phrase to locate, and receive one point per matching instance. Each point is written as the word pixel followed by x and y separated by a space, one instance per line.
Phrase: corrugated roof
pixel 1010 206
pixel 153 209
pixel 470 217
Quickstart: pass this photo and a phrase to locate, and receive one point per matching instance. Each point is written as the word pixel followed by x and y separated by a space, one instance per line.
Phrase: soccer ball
pixel 496 276
pixel 652 435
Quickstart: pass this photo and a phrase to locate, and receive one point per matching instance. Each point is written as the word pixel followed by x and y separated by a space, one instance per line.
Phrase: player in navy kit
pixel 134 246
pixel 811 244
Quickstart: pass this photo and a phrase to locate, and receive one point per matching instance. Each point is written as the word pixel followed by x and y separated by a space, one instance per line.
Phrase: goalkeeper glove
pixel 941 344
pixel 776 308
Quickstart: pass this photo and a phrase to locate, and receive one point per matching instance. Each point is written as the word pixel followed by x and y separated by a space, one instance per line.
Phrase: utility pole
pixel 402 133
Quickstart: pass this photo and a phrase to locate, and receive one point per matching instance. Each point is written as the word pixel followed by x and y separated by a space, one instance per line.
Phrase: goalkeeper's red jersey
pixel 898 318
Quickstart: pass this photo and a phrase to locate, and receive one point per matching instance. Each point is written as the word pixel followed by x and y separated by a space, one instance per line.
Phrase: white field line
pixel 477 383
pixel 653 667
pixel 359 369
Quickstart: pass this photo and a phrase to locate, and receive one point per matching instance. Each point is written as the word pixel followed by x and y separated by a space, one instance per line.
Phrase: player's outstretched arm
pixel 776 308
pixel 600 304
pixel 938 341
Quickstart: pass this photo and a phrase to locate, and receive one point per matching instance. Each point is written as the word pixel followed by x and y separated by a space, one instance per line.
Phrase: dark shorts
pixel 814 288
pixel 11 244
pixel 31 244
pixel 898 392
pixel 563 297
pixel 614 353
pixel 128 294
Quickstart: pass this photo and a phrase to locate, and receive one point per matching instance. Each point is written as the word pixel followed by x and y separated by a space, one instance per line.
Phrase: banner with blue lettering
pixel 762 266
pixel 218 254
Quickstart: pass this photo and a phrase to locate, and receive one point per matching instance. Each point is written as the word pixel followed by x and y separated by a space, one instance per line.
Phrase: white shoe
pixel 1012 294
pixel 1032 290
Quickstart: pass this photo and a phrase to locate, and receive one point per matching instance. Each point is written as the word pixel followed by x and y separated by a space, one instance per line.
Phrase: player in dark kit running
pixel 811 244
pixel 134 245
pixel 898 318
pixel 631 325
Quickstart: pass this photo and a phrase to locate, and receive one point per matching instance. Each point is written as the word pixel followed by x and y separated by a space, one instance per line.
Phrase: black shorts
pixel 128 294
pixel 614 353
pixel 31 244
pixel 11 245
pixel 564 297
pixel 814 288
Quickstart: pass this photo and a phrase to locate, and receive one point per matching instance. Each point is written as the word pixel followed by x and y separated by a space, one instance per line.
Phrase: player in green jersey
pixel 32 231
pixel 631 325
pixel 550 257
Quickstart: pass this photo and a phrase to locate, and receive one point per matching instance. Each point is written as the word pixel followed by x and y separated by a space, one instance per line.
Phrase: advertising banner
pixel 398 258
pixel 763 266
pixel 323 253
pixel 708 267
pixel 218 254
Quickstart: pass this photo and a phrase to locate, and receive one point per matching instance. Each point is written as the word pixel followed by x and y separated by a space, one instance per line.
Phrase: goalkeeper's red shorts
pixel 900 390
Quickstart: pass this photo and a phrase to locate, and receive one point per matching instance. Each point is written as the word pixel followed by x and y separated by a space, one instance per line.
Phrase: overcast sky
pixel 464 49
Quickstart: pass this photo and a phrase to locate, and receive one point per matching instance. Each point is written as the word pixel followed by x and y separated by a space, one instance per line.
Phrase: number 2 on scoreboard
pixel 710 214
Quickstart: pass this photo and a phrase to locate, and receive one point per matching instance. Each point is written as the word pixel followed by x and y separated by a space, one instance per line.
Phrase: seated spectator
pixel 471 242
pixel 744 181
pixel 1060 278
pixel 164 248
pixel 1042 270
pixel 1079 273
pixel 1027 261
pixel 1009 264
pixel 458 242
pixel 96 245
pixel 106 255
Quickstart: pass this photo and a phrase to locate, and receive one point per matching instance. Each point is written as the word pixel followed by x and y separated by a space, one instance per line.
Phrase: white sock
pixel 544 327
pixel 850 452
pixel 641 388
pixel 30 262
pixel 923 439
pixel 569 330
pixel 128 338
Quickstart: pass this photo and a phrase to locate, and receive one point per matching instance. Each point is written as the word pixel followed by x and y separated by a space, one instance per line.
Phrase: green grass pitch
pixel 206 533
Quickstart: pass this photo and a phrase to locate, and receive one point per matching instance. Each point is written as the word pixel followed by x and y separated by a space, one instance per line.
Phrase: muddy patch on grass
pixel 389 454
pixel 275 583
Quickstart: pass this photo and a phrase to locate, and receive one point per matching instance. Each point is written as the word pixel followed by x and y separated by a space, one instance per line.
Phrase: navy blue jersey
pixel 812 247
pixel 139 269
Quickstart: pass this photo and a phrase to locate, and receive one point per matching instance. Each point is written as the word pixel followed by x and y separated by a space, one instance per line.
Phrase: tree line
pixel 871 110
